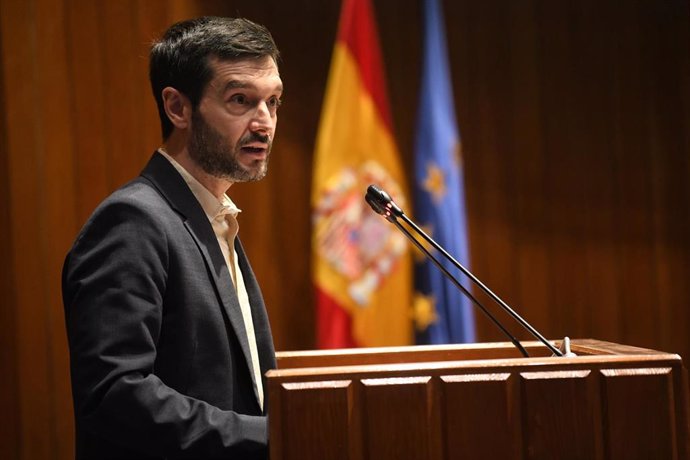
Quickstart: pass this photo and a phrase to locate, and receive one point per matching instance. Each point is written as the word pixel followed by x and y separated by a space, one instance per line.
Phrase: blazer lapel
pixel 172 186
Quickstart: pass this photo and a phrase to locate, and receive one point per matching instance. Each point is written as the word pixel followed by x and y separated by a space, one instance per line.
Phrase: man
pixel 168 334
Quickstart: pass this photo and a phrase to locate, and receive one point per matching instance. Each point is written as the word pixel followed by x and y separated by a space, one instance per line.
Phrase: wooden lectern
pixel 480 401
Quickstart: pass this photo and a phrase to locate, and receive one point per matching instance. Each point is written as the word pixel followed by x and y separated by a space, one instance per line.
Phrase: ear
pixel 177 106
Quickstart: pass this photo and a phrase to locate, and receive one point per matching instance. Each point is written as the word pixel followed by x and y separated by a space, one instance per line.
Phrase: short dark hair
pixel 180 59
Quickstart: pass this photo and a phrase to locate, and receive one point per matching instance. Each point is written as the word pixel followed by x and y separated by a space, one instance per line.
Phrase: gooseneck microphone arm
pixel 457 284
pixel 382 204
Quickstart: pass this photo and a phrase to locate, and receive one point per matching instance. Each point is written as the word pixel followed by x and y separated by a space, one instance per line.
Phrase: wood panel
pixel 329 432
pixel 53 189
pixel 37 199
pixel 10 442
pixel 398 417
pixel 561 415
pixel 640 412
pixel 579 212
pixel 465 399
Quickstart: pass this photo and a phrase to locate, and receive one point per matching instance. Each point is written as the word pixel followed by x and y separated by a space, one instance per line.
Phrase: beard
pixel 217 157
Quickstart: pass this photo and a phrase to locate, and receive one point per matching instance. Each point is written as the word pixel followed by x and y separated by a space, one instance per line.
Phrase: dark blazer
pixel 158 348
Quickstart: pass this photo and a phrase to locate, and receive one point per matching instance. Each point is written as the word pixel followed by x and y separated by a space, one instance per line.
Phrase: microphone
pixel 383 204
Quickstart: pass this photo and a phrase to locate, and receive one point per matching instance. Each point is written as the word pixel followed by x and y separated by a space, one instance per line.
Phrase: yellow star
pixel 424 311
pixel 435 182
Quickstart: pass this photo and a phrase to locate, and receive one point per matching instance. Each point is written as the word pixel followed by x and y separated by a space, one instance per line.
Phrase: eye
pixel 273 104
pixel 238 99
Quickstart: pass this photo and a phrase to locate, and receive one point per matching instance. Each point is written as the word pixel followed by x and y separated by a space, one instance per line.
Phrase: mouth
pixel 255 150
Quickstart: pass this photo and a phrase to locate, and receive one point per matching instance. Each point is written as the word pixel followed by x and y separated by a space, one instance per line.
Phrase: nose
pixel 262 121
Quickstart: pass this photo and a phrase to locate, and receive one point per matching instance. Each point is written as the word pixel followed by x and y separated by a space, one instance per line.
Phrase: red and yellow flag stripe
pixel 362 268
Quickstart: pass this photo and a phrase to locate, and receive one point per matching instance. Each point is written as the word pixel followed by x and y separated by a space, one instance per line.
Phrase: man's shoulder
pixel 151 205
pixel 137 204
pixel 137 197
pixel 139 192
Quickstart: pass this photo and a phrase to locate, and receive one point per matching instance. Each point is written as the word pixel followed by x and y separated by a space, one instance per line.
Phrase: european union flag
pixel 442 313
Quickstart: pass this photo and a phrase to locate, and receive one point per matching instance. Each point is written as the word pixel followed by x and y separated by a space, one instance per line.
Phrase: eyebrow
pixel 235 84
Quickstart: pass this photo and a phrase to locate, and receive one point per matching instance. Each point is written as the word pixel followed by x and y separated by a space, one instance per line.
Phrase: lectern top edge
pixel 474 357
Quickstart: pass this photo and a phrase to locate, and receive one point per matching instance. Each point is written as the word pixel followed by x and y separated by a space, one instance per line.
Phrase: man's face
pixel 233 127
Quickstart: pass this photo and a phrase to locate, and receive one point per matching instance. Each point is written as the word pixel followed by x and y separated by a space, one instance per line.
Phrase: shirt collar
pixel 210 204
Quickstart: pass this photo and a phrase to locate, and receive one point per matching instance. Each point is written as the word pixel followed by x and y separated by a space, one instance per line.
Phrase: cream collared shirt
pixel 222 214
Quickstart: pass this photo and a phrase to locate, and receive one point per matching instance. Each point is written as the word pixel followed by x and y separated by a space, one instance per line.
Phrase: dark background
pixel 575 130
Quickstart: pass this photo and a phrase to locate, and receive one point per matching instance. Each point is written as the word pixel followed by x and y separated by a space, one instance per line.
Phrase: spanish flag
pixel 362 265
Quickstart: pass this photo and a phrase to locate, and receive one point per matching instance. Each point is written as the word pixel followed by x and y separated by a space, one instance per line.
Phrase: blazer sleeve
pixel 114 280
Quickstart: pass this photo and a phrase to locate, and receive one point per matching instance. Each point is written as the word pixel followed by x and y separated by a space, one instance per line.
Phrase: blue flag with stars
pixel 442 313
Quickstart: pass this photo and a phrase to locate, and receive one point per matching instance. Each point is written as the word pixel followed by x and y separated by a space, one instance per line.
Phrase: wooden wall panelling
pixel 461 21
pixel 530 209
pixel 586 53
pixel 20 136
pixel 152 18
pixel 593 153
pixel 9 385
pixel 645 323
pixel 54 197
pixel 634 233
pixel 85 39
pixel 144 124
pixel 120 80
pixel 670 164
pixel 34 127
pixel 402 58
pixel 489 175
pixel 565 219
